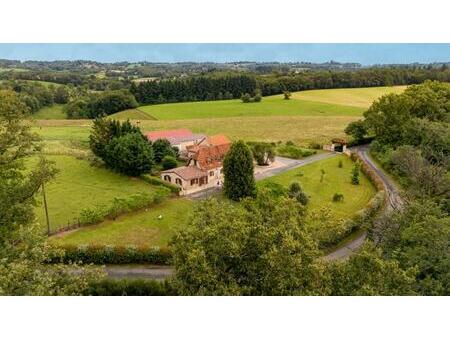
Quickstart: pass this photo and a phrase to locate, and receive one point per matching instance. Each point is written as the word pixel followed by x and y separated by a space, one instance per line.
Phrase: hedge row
pixel 368 171
pixel 110 254
pixel 130 287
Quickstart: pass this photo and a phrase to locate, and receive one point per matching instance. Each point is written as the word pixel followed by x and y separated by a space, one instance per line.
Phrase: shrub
pixel 290 143
pixel 340 164
pixel 162 148
pixel 246 98
pixel 169 162
pixel 295 191
pixel 292 151
pixel 337 197
pixel 110 254
pixel 314 145
pixel 130 287
pixel 275 188
pixel 287 95
pixel 355 174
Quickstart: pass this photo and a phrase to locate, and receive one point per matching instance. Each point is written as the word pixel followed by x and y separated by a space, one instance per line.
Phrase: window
pixel 167 178
pixel 178 181
pixel 194 181
pixel 211 173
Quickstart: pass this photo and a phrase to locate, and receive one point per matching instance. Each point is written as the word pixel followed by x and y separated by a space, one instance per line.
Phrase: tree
pixel 169 162
pixel 246 98
pixel 24 252
pixel 322 174
pixel 263 152
pixel 130 154
pixel 419 237
pixel 238 172
pixel 368 274
pixel 257 247
pixel 357 130
pixel 295 191
pixel 355 174
pixel 287 95
pixel 162 148
pixel 61 95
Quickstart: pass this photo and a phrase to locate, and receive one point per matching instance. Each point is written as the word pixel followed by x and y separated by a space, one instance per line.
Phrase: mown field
pixel 327 102
pixel 357 97
pixel 335 180
pixel 79 185
pixel 140 228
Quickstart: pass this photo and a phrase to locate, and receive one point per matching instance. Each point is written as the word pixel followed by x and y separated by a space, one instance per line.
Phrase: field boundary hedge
pixel 113 254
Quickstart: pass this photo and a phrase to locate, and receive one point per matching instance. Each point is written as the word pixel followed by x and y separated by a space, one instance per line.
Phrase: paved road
pixel 394 202
pixel 393 198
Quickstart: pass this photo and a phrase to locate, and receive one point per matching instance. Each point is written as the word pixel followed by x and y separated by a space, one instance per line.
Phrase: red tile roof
pixel 209 157
pixel 187 172
pixel 217 140
pixel 165 134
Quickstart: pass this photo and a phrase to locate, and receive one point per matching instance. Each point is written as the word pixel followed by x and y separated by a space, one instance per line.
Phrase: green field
pixel 336 180
pixel 79 185
pixel 141 228
pixel 269 106
pixel 54 112
pixel 326 102
pixel 357 97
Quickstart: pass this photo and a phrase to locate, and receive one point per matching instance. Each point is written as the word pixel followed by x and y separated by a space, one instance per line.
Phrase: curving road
pixel 394 202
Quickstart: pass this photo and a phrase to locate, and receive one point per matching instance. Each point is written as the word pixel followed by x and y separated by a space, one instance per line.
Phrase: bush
pixel 314 145
pixel 275 188
pixel 287 95
pixel 355 174
pixel 292 151
pixel 338 197
pixel 130 287
pixel 169 162
pixel 162 148
pixel 246 98
pixel 340 164
pixel 295 191
pixel 110 254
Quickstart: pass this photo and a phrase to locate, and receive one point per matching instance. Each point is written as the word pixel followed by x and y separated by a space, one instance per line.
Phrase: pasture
pixel 54 112
pixel 79 185
pixel 335 180
pixel 140 228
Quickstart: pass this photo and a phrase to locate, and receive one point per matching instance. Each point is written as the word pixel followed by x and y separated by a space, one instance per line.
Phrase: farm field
pixel 140 228
pixel 357 97
pixel 54 112
pixel 79 185
pixel 300 129
pixel 336 180
pixel 269 106
pixel 326 102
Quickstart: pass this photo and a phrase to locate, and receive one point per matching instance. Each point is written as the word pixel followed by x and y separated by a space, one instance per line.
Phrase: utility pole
pixel 46 209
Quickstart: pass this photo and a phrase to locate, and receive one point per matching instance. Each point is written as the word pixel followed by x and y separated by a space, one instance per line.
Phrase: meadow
pixel 54 112
pixel 79 185
pixel 335 180
pixel 140 228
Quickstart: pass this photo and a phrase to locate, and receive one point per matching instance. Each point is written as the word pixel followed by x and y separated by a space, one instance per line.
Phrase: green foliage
pixel 275 188
pixel 246 98
pixel 110 254
pixel 337 197
pixel 368 274
pixel 162 148
pixel 263 152
pixel 322 174
pixel 130 154
pixel 291 151
pixel 257 247
pixel 419 237
pixel 357 130
pixel 340 164
pixel 286 95
pixel 169 162
pixel 61 95
pixel 355 173
pixel 129 287
pixel 238 172
pixel 295 191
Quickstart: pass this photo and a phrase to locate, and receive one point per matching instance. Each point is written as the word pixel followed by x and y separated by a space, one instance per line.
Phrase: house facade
pixel 204 168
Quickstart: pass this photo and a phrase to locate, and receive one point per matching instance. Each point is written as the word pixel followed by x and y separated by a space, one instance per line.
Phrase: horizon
pixel 366 54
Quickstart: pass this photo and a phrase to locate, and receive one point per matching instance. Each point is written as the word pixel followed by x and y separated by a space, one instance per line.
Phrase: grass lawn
pixel 336 180
pixel 132 114
pixel 54 112
pixel 269 106
pixel 357 97
pixel 79 185
pixel 141 228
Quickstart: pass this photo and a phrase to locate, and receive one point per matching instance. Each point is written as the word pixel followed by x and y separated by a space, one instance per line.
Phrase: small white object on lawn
pixel 160 217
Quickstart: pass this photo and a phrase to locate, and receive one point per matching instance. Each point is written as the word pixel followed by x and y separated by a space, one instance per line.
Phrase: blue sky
pixel 365 54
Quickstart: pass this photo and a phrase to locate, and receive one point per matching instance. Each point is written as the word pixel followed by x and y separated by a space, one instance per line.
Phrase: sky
pixel 366 54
